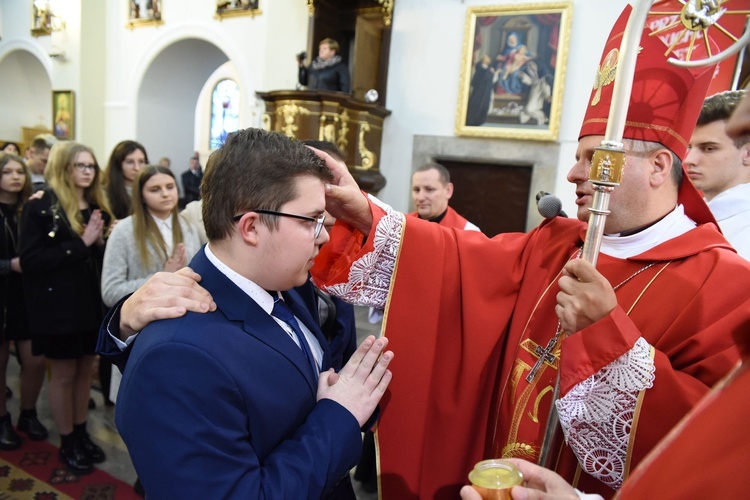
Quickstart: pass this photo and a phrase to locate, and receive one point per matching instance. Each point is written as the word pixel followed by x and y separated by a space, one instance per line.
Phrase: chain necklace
pixel 546 353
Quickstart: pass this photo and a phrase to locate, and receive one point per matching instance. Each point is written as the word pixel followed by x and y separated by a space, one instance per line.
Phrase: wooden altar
pixel 356 127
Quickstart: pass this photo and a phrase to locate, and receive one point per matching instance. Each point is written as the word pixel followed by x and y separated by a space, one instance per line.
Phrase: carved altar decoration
pixel 356 127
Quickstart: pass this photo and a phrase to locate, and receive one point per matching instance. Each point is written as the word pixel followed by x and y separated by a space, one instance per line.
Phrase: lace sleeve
pixel 370 276
pixel 597 414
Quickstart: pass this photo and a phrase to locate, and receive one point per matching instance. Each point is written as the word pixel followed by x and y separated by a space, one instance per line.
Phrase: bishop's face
pixel 628 202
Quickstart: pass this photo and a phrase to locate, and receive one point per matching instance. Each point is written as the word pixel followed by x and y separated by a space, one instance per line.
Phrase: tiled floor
pixel 101 419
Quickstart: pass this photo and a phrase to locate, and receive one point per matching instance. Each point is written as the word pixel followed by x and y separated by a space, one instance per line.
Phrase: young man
pixel 38 153
pixel 191 180
pixel 483 326
pixel 240 402
pixel 431 189
pixel 720 167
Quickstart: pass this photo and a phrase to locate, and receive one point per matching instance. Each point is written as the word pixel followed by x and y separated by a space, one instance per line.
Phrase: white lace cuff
pixel 597 414
pixel 370 276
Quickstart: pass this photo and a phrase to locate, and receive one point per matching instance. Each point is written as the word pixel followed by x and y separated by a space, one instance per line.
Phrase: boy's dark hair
pixel 254 169
pixel 720 107
pixel 326 147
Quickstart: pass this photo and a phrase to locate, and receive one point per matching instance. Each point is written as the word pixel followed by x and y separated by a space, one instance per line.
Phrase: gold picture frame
pixel 63 114
pixel 513 71
pixel 236 8
pixel 144 13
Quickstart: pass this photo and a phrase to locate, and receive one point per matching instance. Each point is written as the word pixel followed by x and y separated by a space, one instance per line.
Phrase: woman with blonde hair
pixel 15 189
pixel 62 244
pixel 155 238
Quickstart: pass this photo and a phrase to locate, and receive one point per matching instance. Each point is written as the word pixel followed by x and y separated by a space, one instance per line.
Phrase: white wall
pixel 423 81
pixel 258 47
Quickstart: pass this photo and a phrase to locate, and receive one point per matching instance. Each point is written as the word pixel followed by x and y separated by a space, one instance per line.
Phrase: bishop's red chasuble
pixel 468 318
pixel 707 454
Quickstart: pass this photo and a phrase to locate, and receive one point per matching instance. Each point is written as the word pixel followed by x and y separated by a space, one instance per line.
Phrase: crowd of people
pixel 76 238
pixel 639 355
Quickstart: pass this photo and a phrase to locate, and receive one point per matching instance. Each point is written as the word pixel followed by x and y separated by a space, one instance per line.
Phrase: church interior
pixel 177 76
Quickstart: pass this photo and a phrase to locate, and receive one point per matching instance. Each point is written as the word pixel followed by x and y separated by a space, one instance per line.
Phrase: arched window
pixel 225 112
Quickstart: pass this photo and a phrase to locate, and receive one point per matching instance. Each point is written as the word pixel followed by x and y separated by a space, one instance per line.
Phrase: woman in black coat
pixel 61 255
pixel 327 71
pixel 15 188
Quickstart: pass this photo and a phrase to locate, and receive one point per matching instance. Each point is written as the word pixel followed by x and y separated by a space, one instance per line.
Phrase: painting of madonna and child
pixel 513 70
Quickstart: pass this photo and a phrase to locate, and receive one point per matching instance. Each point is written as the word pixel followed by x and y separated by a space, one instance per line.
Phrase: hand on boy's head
pixel 344 199
pixel 163 296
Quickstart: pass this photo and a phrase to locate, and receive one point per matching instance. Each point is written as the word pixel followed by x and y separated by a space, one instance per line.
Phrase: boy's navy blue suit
pixel 227 401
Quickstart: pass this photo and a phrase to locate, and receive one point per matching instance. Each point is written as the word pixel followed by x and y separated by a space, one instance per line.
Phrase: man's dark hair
pixel 720 107
pixel 445 176
pixel 253 170
pixel 38 145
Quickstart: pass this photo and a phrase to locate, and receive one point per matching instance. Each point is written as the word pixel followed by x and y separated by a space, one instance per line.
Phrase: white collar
pixel 674 224
pixel 252 289
pixel 167 223
pixel 731 202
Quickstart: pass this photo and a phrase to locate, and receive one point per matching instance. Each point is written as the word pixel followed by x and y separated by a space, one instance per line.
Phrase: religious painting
pixel 232 8
pixel 63 114
pixel 43 19
pixel 144 13
pixel 513 71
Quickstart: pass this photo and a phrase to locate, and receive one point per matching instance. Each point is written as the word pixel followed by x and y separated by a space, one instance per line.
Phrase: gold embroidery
pixel 605 74
pixel 519 450
pixel 534 416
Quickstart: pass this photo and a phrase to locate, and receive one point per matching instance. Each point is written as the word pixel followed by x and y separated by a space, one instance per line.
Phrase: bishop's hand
pixel 344 199
pixel 585 296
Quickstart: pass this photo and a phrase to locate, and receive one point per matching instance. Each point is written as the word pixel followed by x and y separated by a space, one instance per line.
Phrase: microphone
pixel 549 205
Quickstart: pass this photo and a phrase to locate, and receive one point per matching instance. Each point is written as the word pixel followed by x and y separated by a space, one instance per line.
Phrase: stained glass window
pixel 225 111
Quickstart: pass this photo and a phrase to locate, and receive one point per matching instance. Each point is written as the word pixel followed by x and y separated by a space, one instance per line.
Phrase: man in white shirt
pixel 720 167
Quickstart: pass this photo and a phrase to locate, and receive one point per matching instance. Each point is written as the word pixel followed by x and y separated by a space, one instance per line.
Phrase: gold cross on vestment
pixel 545 356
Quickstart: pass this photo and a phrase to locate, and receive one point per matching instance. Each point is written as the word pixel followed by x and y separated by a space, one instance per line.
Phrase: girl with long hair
pixel 126 160
pixel 62 244
pixel 155 238
pixel 15 189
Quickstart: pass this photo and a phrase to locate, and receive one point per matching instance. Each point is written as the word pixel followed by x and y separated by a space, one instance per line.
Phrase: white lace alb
pixel 597 414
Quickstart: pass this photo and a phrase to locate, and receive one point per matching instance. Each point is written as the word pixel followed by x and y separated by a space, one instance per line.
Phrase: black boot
pixel 94 452
pixel 9 438
pixel 74 456
pixel 29 424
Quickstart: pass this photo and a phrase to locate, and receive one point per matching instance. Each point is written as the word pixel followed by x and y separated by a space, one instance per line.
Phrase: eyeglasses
pixel 81 167
pixel 317 220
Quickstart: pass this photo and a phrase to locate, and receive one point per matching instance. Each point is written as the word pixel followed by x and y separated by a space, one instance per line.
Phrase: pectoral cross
pixel 545 356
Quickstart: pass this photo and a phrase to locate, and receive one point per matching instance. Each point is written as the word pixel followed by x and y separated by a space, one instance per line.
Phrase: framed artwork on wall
pixel 63 114
pixel 232 8
pixel 44 20
pixel 513 71
pixel 144 13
